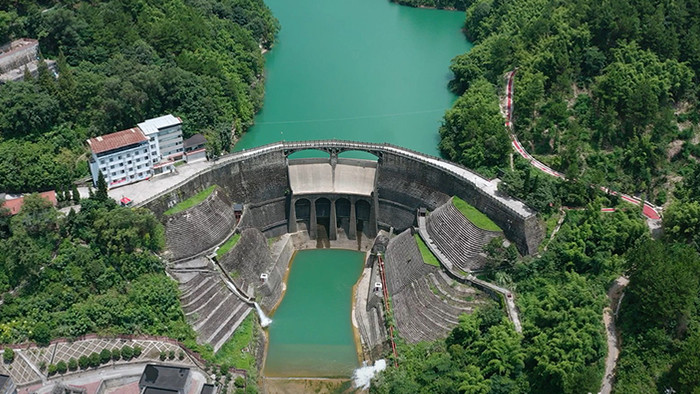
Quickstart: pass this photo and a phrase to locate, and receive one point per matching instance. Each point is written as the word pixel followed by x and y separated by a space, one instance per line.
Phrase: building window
pixel 111 159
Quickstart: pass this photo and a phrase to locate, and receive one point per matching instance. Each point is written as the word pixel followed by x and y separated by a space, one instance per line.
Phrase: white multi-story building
pixel 165 138
pixel 123 157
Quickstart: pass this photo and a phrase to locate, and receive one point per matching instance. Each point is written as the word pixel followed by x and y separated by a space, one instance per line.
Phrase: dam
pixel 385 207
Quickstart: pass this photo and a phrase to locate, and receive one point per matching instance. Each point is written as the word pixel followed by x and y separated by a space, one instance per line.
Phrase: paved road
pixel 648 209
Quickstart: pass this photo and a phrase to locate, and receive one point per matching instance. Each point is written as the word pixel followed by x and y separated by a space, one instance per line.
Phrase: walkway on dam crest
pixel 511 310
pixel 143 192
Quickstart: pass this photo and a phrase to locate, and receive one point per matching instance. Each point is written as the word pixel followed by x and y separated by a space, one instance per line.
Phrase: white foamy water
pixel 264 320
pixel 363 375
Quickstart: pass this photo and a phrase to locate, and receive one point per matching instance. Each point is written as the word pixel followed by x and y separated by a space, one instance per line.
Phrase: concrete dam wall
pixel 405 181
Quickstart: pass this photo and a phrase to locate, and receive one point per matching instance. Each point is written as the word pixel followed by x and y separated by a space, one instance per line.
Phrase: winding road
pixel 649 210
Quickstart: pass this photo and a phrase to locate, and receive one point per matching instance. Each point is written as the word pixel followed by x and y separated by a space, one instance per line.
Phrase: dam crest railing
pixel 432 161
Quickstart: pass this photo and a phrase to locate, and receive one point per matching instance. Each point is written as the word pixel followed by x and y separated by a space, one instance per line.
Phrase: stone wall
pixel 250 258
pixel 199 228
pixel 269 216
pixel 414 184
pixel 17 54
pixel 250 180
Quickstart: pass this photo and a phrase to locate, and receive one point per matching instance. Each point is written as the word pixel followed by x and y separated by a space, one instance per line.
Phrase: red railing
pixel 388 309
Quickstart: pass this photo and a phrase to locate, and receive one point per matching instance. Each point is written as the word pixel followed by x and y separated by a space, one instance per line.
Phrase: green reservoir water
pixel 365 70
pixel 311 332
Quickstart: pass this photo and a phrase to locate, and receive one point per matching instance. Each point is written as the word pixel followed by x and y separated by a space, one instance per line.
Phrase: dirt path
pixel 615 294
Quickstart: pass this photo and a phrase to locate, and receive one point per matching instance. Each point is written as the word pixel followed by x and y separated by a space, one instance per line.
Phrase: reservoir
pixel 366 70
pixel 311 333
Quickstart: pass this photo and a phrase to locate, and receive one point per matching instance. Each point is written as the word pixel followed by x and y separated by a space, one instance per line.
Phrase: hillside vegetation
pixel 605 91
pixel 121 62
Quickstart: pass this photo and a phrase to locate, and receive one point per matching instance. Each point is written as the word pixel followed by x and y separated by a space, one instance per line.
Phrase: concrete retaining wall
pixel 406 181
pixel 413 184
pixel 251 257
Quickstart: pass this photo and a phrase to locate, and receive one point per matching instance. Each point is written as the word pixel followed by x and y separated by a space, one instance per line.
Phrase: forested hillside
pixel 89 272
pixel 120 62
pixel 605 91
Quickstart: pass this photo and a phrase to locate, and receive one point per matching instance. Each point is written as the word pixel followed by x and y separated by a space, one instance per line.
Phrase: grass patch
pixel 428 256
pixel 235 352
pixel 230 243
pixel 190 202
pixel 180 163
pixel 473 215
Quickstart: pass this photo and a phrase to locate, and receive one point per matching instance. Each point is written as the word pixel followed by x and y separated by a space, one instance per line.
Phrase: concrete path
pixel 615 294
pixel 142 192
pixel 648 209
pixel 511 309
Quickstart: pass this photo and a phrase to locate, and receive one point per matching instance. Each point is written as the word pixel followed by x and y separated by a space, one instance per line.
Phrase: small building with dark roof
pixel 208 389
pixel 7 386
pixel 164 379
pixel 194 148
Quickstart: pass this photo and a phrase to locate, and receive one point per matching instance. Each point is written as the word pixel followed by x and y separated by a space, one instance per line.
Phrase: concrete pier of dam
pixel 394 186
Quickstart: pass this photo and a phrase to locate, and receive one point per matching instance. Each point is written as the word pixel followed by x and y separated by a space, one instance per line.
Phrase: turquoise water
pixel 311 332
pixel 366 70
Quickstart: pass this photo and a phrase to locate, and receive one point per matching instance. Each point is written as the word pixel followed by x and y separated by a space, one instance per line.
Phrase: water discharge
pixel 362 376
pixel 264 320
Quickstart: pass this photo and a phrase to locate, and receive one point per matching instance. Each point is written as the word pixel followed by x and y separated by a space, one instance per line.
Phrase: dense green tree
pixel 473 133
pixel 664 284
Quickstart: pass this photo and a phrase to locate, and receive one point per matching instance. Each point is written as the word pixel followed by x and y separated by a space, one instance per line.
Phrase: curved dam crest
pixel 405 181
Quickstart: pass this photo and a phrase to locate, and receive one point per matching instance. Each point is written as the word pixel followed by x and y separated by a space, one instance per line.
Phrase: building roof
pixel 195 140
pixel 156 390
pixel 151 126
pixel 116 140
pixel 15 205
pixel 208 389
pixel 4 379
pixel 164 377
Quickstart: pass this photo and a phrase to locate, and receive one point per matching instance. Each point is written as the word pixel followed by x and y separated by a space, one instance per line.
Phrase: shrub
pixel 42 366
pixel 61 367
pixel 8 355
pixel 181 355
pixel 52 369
pixel 84 362
pixel 163 356
pixel 137 350
pixel 41 334
pixel 105 356
pixel 116 354
pixel 127 352
pixel 72 364
pixel 171 355
pixel 94 359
